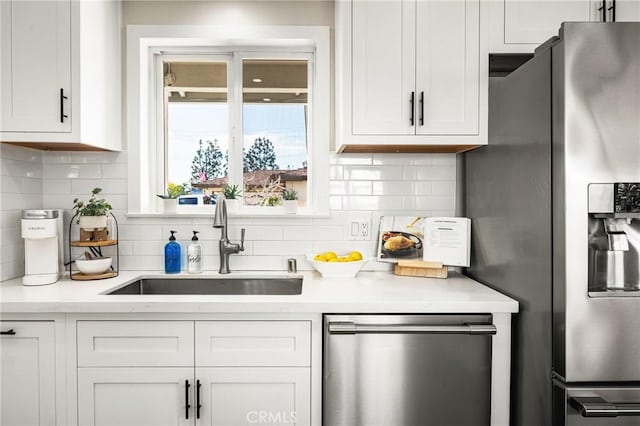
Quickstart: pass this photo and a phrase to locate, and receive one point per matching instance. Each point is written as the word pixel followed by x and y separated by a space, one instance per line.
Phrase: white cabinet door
pixel 27 373
pixel 627 10
pixel 249 396
pixel 253 343
pixel 383 66
pixel 448 67
pixel 36 65
pixel 135 396
pixel 534 22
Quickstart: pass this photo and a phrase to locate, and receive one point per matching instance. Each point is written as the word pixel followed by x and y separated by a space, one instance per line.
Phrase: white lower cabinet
pixel 178 373
pixel 248 396
pixel 27 373
pixel 134 396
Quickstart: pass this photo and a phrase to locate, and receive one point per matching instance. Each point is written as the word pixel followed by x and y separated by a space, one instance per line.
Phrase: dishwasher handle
pixel 593 406
pixel 346 327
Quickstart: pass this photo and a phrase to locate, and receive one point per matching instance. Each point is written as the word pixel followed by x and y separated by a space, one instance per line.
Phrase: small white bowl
pixel 337 269
pixel 94 266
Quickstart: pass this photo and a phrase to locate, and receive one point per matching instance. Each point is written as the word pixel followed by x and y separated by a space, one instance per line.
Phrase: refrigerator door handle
pixel 594 406
pixel 353 328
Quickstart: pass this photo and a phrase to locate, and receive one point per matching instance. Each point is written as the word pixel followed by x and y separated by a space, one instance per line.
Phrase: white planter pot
pixel 93 222
pixel 169 205
pixel 232 205
pixel 290 206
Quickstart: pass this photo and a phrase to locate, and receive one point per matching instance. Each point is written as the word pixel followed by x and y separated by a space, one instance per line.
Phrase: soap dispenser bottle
pixel 172 255
pixel 194 255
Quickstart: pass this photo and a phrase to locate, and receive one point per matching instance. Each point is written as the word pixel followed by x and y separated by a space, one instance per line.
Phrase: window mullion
pixel 236 175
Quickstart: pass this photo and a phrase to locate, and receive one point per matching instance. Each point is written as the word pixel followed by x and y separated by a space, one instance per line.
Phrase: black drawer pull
pixel 62 99
pixel 186 399
pixel 10 332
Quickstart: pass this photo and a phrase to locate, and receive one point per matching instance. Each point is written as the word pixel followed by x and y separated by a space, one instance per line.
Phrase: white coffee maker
pixel 43 255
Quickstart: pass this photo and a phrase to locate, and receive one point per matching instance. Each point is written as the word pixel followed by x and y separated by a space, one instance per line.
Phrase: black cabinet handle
pixel 198 405
pixel 186 399
pixel 62 99
pixel 612 8
pixel 603 11
pixel 422 108
pixel 10 332
pixel 412 102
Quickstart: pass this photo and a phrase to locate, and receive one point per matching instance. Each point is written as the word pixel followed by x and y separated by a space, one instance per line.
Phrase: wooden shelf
pixel 94 243
pixel 82 277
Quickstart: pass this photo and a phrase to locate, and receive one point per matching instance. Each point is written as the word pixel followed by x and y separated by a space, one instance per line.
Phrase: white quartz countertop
pixel 370 292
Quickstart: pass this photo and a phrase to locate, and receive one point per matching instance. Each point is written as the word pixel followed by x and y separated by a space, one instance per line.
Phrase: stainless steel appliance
pixel 407 370
pixel 554 204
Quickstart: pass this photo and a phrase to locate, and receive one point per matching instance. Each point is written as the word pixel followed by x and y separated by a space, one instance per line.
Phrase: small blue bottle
pixel 172 255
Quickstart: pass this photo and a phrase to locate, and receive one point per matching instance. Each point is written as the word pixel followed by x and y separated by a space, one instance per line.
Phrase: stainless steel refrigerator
pixel 555 206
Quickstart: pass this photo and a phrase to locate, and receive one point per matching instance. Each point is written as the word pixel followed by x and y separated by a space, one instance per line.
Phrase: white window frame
pixel 145 117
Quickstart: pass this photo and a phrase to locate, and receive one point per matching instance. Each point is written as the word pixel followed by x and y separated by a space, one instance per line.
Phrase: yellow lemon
pixel 335 259
pixel 320 258
pixel 330 255
pixel 355 256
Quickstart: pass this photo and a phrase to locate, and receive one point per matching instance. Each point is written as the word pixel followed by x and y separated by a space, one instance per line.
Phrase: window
pixel 197 117
pixel 224 111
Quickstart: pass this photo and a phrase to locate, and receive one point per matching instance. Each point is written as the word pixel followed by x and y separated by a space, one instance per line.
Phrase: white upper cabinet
pixel 448 73
pixel 410 76
pixel 36 65
pixel 522 25
pixel 624 10
pixel 60 74
pixel 383 67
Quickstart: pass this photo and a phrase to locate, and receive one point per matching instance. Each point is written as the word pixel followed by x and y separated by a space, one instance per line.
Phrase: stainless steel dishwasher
pixel 407 370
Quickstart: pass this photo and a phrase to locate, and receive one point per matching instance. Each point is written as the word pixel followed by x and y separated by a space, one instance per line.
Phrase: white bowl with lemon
pixel 332 265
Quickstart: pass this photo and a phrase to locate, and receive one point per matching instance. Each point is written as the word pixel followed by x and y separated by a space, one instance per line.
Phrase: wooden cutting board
pixel 419 268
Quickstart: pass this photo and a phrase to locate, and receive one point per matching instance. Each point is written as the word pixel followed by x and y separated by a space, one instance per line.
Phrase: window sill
pixel 200 214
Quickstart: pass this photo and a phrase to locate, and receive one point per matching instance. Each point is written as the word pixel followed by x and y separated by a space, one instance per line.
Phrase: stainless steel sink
pixel 227 285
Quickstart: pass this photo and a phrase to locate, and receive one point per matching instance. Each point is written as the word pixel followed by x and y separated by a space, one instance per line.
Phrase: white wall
pixel 20 188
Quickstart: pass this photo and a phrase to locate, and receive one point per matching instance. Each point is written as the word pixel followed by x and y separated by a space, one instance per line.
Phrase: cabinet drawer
pixel 135 343
pixel 253 343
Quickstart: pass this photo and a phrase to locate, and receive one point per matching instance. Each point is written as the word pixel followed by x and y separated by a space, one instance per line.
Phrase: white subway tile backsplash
pixel 361 159
pixel 56 186
pixel 335 202
pixel 430 173
pixel 282 248
pixel 429 203
pixel 336 172
pixel 397 187
pixel 372 202
pixel 72 171
pixel 20 188
pixel 443 187
pixel 314 233
pixel 402 159
pixel 114 171
pixel 372 184
pixel 108 186
pixel 55 157
pixel 373 173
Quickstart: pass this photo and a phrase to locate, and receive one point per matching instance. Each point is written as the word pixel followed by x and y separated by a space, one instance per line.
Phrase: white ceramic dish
pixel 337 269
pixel 94 266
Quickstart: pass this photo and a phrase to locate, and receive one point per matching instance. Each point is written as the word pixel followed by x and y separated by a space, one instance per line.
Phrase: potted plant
pixel 92 215
pixel 232 193
pixel 169 202
pixel 290 198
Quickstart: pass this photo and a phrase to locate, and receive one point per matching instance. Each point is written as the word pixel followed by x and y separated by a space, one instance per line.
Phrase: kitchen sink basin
pixel 237 286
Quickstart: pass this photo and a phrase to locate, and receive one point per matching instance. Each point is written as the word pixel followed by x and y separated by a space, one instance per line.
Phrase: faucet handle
pixel 242 239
